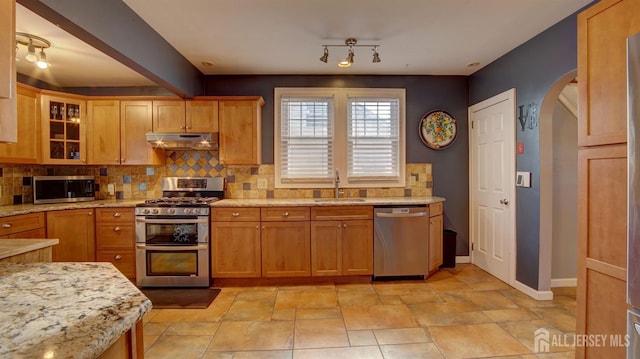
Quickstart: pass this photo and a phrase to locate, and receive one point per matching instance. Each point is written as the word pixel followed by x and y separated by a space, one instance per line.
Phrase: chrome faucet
pixel 337 184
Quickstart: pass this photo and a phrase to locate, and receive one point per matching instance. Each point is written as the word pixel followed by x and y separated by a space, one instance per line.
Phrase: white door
pixel 492 185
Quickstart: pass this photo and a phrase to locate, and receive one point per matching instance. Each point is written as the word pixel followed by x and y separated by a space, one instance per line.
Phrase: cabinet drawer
pixel 435 209
pixel 114 235
pixel 20 223
pixel 339 213
pixel 115 214
pixel 124 260
pixel 285 214
pixel 235 214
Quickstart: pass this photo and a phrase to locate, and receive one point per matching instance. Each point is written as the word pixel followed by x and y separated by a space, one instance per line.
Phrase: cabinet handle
pixel 344 225
pixel 116 229
pixel 117 257
pixel 235 214
pixel 339 226
pixel 6 225
pixel 91 213
pixel 116 161
pixel 182 127
pixel 257 226
pixel 263 227
pixel 122 160
pixel 285 214
pixel 117 214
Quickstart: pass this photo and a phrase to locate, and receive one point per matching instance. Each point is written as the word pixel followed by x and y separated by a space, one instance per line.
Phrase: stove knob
pixel 171 210
pixel 146 211
pixel 187 210
pixel 155 211
pixel 196 210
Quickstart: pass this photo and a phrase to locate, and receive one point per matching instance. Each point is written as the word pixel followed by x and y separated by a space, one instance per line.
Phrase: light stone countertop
pixel 34 208
pixel 367 201
pixel 6 211
pixel 14 247
pixel 65 310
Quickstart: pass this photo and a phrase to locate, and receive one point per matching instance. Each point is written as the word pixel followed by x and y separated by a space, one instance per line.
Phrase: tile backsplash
pixel 142 182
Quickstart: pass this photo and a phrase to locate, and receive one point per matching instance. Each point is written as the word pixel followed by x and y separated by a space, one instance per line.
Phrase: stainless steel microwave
pixel 60 189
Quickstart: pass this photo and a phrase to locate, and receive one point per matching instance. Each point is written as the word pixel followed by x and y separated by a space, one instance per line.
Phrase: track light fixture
pixel 33 42
pixel 350 43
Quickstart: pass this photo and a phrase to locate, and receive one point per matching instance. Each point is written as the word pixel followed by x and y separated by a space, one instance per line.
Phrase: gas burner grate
pixel 182 200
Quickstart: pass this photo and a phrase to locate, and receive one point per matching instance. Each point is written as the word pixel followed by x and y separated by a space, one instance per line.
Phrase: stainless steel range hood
pixel 183 141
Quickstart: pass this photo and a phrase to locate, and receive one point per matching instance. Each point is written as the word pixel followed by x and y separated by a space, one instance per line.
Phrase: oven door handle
pixel 171 248
pixel 173 221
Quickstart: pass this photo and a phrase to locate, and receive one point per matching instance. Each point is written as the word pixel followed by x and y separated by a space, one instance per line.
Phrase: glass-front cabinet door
pixel 63 130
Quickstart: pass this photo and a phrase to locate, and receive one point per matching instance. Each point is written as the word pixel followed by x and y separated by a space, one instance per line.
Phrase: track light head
pixel 376 56
pixel 31 52
pixel 42 63
pixel 348 61
pixel 325 57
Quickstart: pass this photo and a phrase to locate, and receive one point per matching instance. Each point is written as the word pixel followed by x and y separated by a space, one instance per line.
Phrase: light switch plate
pixel 262 183
pixel 412 180
pixel 111 188
pixel 523 179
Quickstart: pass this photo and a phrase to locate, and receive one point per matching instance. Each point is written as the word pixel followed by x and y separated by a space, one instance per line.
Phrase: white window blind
pixel 306 139
pixel 373 140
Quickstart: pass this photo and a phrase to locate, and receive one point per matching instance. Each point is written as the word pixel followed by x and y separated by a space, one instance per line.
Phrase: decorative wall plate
pixel 438 129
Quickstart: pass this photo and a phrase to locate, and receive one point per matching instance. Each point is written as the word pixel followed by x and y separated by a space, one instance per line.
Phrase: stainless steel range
pixel 172 233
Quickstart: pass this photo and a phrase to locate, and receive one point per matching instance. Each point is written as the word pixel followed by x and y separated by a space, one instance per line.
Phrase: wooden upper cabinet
pixel 241 131
pixel 64 127
pixel 136 118
pixel 169 116
pixel 27 148
pixel 201 116
pixel 8 110
pixel 7 41
pixel 103 119
pixel 602 74
pixel 117 133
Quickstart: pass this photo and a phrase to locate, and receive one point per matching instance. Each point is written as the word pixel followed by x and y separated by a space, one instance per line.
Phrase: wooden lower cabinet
pixel 435 242
pixel 30 225
pixel 341 248
pixel 115 239
pixel 235 250
pixel 286 249
pixel 342 240
pixel 75 229
pixel 602 247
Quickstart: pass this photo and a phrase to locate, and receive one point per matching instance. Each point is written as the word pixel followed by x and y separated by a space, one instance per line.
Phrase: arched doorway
pixel 558 203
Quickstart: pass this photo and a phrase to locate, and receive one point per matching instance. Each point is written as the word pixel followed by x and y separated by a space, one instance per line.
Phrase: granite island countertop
pixel 14 247
pixel 65 310
pixel 364 201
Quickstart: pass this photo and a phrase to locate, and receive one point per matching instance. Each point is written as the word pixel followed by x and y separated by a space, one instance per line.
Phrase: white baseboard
pixel 463 259
pixel 535 294
pixel 564 282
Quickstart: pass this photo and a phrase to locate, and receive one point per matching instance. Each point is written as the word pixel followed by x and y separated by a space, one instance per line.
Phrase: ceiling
pixel 415 37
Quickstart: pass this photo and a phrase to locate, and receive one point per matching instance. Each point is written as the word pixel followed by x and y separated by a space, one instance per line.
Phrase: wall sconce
pixel 33 42
pixel 350 43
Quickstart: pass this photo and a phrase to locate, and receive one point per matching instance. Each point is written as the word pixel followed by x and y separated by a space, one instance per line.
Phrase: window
pixel 358 132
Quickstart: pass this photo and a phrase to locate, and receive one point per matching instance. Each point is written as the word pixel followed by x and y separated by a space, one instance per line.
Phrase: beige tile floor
pixel 457 313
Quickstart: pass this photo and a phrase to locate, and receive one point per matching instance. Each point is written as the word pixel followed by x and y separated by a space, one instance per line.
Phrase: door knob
pixel 504 201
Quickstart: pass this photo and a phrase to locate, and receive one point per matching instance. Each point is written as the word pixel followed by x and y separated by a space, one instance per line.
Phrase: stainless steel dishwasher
pixel 401 241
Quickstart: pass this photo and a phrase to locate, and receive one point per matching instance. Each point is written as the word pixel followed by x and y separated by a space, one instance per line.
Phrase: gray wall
pixel 532 69
pixel 564 252
pixel 423 94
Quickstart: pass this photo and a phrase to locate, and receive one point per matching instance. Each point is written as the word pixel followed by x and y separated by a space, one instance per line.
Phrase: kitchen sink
pixel 339 199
